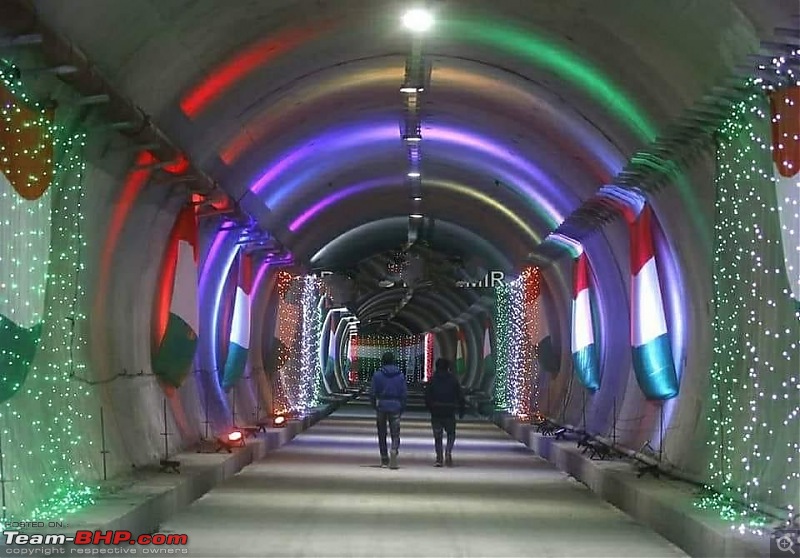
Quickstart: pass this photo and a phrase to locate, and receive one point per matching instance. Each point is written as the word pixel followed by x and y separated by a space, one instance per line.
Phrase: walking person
pixel 388 395
pixel 443 398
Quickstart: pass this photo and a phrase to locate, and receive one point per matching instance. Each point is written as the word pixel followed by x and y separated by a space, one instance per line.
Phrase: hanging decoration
pixel 353 355
pixel 461 356
pixel 176 312
pixel 488 359
pixel 42 296
pixel 754 383
pixel 584 351
pixel 516 325
pixel 309 374
pixel 430 340
pixel 408 351
pixel 652 351
pixel 239 344
pixel 785 119
pixel 26 170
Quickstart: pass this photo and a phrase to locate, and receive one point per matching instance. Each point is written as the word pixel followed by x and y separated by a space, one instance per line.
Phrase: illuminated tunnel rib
pixel 572 134
pixel 268 184
pixel 332 200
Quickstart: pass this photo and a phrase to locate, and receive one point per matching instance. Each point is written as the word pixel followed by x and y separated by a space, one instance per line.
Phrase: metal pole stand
pixel 168 465
pixel 103 451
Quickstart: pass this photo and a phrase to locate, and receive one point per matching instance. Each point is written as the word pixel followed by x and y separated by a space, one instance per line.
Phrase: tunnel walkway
pixel 324 494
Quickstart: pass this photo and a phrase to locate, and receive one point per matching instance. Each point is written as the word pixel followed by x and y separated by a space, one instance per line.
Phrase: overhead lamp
pixel 411 89
pixel 414 174
pixel 416 216
pixel 413 139
pixel 417 198
pixel 418 20
pixel 279 421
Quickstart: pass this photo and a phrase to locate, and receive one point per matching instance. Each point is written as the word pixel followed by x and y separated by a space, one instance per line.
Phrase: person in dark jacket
pixel 444 398
pixel 388 395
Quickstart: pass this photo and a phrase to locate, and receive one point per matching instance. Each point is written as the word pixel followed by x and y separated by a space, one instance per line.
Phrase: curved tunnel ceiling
pixel 531 107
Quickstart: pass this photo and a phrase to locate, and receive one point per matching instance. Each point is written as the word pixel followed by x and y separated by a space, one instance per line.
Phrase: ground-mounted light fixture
pixel 234 439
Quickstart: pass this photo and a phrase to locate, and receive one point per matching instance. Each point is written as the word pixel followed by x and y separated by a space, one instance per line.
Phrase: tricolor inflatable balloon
pixel 584 351
pixel 652 351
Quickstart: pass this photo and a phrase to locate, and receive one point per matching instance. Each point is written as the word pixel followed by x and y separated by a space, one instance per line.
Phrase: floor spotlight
pixel 418 20
pixel 279 421
pixel 234 439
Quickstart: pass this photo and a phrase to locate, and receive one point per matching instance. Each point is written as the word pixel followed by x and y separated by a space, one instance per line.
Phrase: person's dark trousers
pixel 443 423
pixel 394 429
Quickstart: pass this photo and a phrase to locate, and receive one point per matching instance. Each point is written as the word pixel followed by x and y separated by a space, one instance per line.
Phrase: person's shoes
pixel 448 460
pixel 393 460
pixel 437 464
pixel 384 462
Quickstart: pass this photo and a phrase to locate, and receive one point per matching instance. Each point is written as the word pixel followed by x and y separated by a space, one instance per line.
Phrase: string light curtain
pixel 45 427
pixel 408 351
pixel 288 316
pixel 755 378
pixel 300 321
pixel 516 326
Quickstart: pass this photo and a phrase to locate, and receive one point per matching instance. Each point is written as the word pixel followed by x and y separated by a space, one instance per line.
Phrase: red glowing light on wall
pixel 179 166
pixel 245 62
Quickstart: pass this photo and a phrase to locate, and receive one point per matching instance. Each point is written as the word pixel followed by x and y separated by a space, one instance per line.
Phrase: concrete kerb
pixel 664 505
pixel 151 497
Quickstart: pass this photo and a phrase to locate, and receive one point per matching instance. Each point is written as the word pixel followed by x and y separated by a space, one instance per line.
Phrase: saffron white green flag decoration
pixel 26 172
pixel 785 109
pixel 461 361
pixel 240 325
pixel 178 323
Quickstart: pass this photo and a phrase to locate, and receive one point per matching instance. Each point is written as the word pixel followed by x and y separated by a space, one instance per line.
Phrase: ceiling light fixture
pixel 418 20
pixel 411 89
pixel 416 216
pixel 413 138
pixel 414 174
pixel 417 198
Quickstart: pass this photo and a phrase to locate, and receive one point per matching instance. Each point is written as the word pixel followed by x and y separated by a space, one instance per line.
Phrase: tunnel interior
pixel 218 213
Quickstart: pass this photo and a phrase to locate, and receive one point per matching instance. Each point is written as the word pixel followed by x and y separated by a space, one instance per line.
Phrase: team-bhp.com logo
pixel 152 543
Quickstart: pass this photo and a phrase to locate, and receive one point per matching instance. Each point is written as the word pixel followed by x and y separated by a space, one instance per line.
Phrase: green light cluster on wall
pixel 754 463
pixel 42 426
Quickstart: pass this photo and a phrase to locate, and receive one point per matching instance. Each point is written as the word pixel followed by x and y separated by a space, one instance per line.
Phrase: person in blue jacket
pixel 388 395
